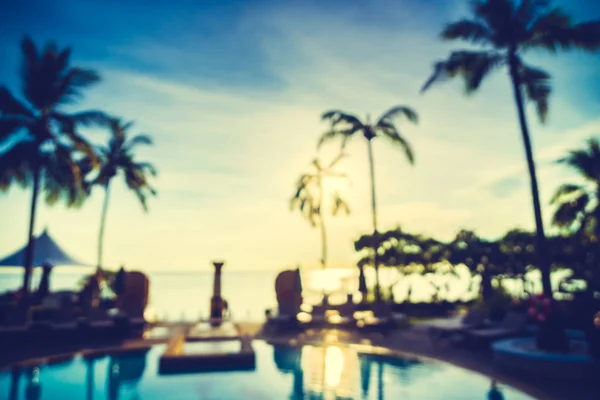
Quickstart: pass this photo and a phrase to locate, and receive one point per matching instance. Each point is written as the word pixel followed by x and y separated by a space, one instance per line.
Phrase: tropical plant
pixel 507 29
pixel 309 195
pixel 578 206
pixel 118 157
pixel 346 126
pixel 42 145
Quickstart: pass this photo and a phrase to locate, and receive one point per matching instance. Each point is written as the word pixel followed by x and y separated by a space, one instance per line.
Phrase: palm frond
pixel 536 83
pixel 147 167
pixel 555 30
pixel 530 10
pixel 586 35
pixel 398 111
pixel 469 30
pixel 11 106
pixel 135 179
pixel 339 205
pixel 16 164
pixel 78 142
pixel 585 161
pixel 29 64
pixel 136 141
pixel 337 116
pixel 391 132
pixel 566 190
pixel 69 89
pixel 91 118
pixel 334 134
pixel 472 66
pixel 63 178
pixel 336 160
pixel 570 212
pixel 497 15
pixel 10 126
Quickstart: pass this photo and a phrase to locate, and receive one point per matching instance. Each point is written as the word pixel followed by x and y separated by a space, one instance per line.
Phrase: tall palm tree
pixel 41 143
pixel 579 205
pixel 346 126
pixel 309 196
pixel 118 156
pixel 506 30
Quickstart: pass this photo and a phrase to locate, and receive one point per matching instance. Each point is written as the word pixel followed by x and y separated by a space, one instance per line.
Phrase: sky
pixel 232 93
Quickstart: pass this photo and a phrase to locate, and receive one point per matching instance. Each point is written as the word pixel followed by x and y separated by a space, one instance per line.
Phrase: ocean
pixel 177 296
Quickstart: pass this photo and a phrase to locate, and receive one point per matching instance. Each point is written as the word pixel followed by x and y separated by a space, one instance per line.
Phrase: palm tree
pixel 579 205
pixel 308 198
pixel 41 143
pixel 346 126
pixel 507 30
pixel 118 156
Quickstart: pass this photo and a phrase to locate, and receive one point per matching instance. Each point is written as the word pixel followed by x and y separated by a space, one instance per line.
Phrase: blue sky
pixel 232 92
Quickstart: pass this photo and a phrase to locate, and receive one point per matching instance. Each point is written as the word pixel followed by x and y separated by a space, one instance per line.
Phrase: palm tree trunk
pixel 323 230
pixel 374 214
pixel 29 251
pixel 103 223
pixel 323 237
pixel 379 380
pixel 543 262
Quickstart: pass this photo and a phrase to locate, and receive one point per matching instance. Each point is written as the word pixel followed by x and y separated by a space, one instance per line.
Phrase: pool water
pixel 281 373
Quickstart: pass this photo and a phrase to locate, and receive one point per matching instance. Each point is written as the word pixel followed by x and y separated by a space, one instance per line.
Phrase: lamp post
pixel 217 302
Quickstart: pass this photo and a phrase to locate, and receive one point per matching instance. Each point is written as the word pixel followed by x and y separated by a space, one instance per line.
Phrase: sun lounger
pixel 446 328
pixel 381 319
pixel 281 323
pixel 512 325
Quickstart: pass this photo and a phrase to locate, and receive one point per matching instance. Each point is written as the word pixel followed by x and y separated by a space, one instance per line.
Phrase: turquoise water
pixel 281 373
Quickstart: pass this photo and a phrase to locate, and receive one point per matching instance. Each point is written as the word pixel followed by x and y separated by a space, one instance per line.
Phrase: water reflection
pixel 89 378
pixel 33 390
pixel 331 372
pixel 495 393
pixel 288 360
pixel 324 373
pixel 365 376
pixel 14 384
pixel 339 372
pixel 125 371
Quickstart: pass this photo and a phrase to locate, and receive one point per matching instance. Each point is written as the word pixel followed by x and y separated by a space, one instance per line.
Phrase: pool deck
pixel 412 341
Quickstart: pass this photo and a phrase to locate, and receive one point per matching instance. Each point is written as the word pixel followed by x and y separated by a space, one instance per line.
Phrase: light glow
pixel 334 366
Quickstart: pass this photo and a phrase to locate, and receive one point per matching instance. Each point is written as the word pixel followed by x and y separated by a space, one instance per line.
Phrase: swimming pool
pixel 282 372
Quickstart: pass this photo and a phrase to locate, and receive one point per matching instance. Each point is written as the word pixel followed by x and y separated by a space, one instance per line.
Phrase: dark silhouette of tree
pixel 507 30
pixel 309 196
pixel 346 126
pixel 41 140
pixel 578 206
pixel 119 157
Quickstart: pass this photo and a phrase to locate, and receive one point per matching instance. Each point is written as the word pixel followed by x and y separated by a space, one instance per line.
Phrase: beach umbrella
pixel 45 250
pixel 362 281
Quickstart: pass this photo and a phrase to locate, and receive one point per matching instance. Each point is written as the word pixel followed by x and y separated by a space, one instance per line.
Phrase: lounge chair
pixel 512 325
pixel 474 319
pixel 381 319
pixel 281 321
